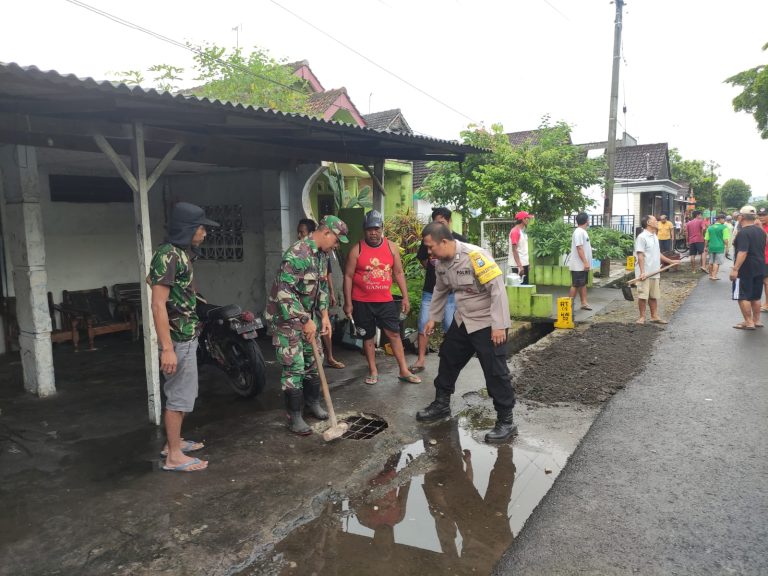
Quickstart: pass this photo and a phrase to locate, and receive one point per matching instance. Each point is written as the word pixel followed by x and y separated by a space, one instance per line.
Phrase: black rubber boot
pixel 312 399
pixel 504 429
pixel 294 402
pixel 440 408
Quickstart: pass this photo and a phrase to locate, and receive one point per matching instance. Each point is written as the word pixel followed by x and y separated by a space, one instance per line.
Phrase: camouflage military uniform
pixel 300 289
pixel 171 266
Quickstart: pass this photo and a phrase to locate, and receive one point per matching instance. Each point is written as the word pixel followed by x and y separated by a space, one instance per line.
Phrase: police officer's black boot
pixel 440 408
pixel 294 403
pixel 312 398
pixel 504 429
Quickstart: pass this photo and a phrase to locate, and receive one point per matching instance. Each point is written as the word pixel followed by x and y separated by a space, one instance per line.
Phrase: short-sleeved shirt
pixel 695 229
pixel 171 266
pixel 518 237
pixel 716 236
pixel 665 230
pixel 423 256
pixel 301 285
pixel 648 244
pixel 579 238
pixel 765 229
pixel 751 239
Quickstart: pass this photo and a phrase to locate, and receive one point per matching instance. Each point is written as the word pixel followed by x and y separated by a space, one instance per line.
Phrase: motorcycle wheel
pixel 246 367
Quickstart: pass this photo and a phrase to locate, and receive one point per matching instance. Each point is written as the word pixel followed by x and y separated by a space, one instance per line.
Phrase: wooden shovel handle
pixel 324 383
pixel 659 271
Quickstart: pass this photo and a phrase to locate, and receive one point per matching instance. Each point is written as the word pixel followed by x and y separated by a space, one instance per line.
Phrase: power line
pixel 367 59
pixel 548 3
pixel 178 44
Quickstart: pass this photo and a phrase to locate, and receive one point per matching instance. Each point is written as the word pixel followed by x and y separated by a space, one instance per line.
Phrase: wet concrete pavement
pixel 82 493
pixel 671 478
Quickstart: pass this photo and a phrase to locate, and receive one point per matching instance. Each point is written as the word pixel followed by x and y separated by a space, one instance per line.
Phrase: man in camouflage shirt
pixel 174 300
pixel 298 296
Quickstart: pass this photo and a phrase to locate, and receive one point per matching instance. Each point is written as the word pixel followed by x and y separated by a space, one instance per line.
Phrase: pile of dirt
pixel 586 366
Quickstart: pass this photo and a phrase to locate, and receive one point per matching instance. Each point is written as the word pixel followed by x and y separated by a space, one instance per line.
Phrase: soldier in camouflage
pixel 299 296
pixel 174 300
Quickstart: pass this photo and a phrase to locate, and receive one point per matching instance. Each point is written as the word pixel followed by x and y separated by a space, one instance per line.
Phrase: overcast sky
pixel 507 61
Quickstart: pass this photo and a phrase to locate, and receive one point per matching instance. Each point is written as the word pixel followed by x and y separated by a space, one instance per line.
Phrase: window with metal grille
pixel 225 243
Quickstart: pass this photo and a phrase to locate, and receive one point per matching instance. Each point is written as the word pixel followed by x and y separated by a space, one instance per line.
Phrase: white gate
pixel 494 237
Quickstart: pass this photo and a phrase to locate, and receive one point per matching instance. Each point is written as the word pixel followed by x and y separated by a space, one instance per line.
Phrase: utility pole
pixel 610 152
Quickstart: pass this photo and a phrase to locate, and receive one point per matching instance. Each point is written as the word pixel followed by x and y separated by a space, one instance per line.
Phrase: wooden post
pixel 137 179
pixel 144 244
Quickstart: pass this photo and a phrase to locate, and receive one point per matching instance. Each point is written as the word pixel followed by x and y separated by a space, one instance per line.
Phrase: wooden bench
pixel 97 313
pixel 128 298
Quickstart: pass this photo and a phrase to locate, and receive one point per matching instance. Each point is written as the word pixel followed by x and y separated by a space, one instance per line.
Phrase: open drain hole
pixel 363 427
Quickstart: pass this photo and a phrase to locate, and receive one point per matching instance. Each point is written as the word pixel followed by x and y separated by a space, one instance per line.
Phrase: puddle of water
pixel 457 517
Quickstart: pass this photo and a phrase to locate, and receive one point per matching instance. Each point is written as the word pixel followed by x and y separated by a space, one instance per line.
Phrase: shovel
pixel 336 430
pixel 626 289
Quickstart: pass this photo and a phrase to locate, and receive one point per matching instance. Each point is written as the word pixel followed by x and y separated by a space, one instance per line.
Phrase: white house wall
pixel 224 282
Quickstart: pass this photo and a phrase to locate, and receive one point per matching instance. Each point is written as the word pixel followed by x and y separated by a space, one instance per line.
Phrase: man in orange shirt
pixel 666 234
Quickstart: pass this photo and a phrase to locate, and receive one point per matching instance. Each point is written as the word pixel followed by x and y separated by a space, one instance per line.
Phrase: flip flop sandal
pixel 185 467
pixel 335 364
pixel 659 321
pixel 743 327
pixel 372 379
pixel 187 446
pixel 587 307
pixel 759 325
pixel 416 369
pixel 410 379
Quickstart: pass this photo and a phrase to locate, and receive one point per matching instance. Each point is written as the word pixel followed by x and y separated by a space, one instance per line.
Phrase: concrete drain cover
pixel 363 427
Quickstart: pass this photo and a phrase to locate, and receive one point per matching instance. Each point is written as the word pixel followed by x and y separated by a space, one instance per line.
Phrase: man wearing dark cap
pixel 174 299
pixel 371 266
pixel 298 299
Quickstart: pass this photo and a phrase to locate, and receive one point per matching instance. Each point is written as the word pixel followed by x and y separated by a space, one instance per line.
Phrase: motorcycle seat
pixel 222 312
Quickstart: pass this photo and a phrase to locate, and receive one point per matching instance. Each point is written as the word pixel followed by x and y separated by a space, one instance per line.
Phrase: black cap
pixel 762 211
pixel 373 220
pixel 186 213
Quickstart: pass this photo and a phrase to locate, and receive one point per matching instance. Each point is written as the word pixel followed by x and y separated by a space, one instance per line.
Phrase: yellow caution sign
pixel 630 263
pixel 564 313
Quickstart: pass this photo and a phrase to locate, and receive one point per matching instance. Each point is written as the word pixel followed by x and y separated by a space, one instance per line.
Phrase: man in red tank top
pixel 370 268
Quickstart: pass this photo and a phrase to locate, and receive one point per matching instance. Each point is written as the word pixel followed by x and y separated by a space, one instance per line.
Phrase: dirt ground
pixel 591 363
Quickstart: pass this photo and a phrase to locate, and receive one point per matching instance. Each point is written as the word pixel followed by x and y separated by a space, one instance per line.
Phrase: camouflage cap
pixel 337 226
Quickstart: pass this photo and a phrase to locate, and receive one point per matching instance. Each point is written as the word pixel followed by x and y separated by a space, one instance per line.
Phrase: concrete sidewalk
pixel 671 478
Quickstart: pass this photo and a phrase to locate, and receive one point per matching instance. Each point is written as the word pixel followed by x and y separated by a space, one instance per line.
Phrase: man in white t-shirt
pixel 648 259
pixel 518 246
pixel 580 260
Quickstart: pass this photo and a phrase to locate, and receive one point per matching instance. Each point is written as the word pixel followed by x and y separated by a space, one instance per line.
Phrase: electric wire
pixel 178 44
pixel 367 59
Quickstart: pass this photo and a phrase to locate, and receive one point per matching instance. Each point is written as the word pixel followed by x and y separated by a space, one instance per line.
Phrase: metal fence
pixel 494 237
pixel 625 222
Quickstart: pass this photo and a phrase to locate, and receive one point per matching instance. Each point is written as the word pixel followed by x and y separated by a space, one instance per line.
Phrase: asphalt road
pixel 672 478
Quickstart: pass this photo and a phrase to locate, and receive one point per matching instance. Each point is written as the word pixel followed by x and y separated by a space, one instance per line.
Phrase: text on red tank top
pixel 372 281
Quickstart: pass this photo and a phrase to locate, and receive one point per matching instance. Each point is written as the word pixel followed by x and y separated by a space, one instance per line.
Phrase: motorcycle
pixel 228 341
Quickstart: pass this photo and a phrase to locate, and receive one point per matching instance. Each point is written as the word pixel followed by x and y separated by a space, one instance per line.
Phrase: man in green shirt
pixel 716 240
pixel 174 299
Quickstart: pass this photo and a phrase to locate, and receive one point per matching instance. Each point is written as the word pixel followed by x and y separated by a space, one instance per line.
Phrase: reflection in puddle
pixel 457 517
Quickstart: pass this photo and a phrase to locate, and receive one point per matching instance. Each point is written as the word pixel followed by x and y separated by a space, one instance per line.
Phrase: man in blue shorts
pixel 442 215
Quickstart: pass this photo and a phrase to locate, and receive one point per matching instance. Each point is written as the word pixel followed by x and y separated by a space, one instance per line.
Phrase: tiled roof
pixel 527 137
pixel 319 102
pixel 643 162
pixel 392 120
pixel 296 65
pixel 420 173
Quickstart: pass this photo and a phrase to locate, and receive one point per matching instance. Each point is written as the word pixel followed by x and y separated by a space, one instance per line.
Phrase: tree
pixel 734 194
pixel 754 96
pixel 699 174
pixel 255 79
pixel 545 177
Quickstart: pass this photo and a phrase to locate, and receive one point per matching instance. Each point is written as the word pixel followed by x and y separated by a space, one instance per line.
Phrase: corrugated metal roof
pixel 71 81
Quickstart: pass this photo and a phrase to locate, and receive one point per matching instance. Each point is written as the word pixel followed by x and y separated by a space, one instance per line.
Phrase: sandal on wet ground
pixel 743 326
pixel 187 446
pixel 410 379
pixel 186 467
pixel 763 308
pixel 586 307
pixel 415 369
pixel 372 379
pixel 335 364
pixel 658 321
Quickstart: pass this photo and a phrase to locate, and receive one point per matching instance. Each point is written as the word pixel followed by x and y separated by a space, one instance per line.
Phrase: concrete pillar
pixel 277 236
pixel 24 234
